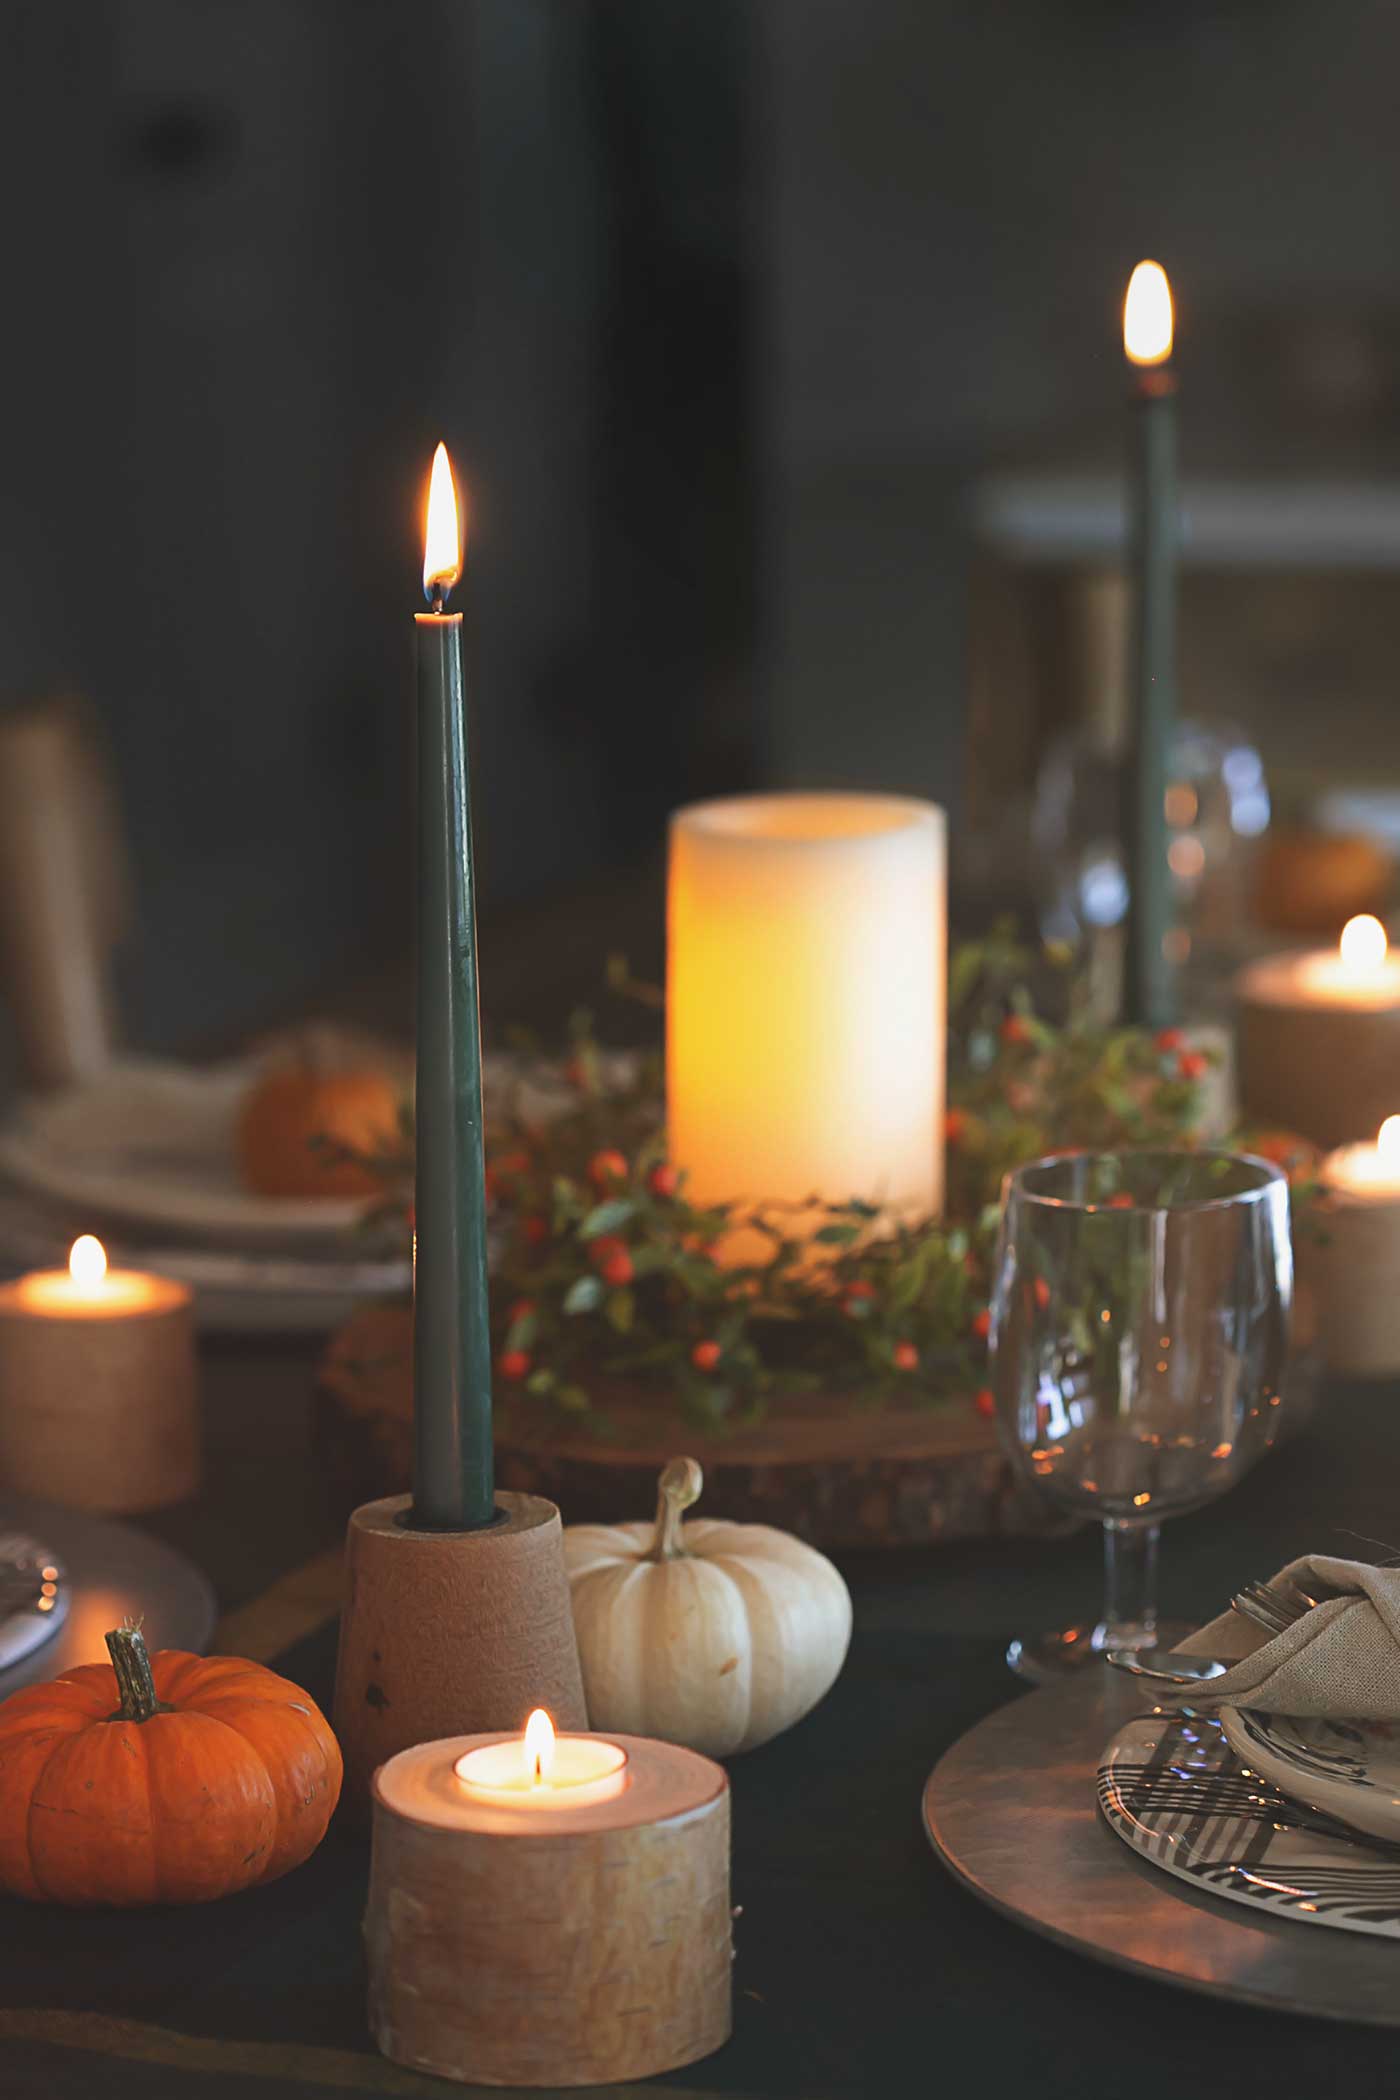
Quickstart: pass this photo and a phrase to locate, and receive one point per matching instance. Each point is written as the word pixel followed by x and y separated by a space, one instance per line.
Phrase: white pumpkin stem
pixel 679 1486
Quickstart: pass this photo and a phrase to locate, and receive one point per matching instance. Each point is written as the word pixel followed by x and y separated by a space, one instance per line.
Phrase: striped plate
pixel 1172 1789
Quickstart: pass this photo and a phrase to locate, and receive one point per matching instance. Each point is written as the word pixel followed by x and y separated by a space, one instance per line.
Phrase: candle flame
pixel 442 541
pixel 1147 316
pixel 1363 943
pixel 1388 1141
pixel 539 1745
pixel 87 1260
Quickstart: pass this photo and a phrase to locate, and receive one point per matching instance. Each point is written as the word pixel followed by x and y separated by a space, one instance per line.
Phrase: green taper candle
pixel 453 1465
pixel 1149 974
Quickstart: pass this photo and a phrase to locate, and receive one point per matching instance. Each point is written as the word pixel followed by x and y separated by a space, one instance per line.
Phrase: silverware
pixel 1166 1667
pixel 1268 1606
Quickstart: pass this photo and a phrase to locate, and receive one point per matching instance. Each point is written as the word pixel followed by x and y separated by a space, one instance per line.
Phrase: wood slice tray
pixel 1011 1811
pixel 835 1474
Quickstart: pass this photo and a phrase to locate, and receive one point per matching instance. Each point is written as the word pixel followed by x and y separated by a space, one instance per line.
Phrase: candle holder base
pixel 450 1633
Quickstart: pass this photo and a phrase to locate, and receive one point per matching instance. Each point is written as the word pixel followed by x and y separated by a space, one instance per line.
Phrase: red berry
pixel 1041 1290
pixel 982 1325
pixel 617 1268
pixel 858 1296
pixel 1168 1039
pixel 513 1163
pixel 906 1357
pixel 1192 1065
pixel 521 1310
pixel 604 1248
pixel 1016 1029
pixel 985 1401
pixel 536 1231
pixel 605 1168
pixel 705 1355
pixel 1122 1201
pixel 513 1364
pixel 663 1179
pixel 954 1126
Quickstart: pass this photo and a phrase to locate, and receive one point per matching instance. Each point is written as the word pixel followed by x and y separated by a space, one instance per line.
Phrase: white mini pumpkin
pixel 715 1635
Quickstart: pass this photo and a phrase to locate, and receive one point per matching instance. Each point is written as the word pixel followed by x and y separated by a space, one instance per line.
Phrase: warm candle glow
pixel 805 1005
pixel 87 1261
pixel 1388 1142
pixel 540 1770
pixel 442 541
pixel 539 1735
pixel 1364 944
pixel 1368 1170
pixel 1147 316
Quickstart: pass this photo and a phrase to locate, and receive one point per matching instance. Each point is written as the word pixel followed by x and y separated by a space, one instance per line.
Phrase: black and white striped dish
pixel 1171 1787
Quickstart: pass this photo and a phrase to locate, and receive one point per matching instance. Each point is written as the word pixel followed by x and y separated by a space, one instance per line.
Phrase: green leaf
pixel 540 1382
pixel 620 1311
pixel 584 1295
pixel 574 1399
pixel 836 1235
pixel 521 1333
pixel 606 1217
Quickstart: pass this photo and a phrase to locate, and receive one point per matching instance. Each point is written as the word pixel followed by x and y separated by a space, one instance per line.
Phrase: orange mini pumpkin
pixel 171 1778
pixel 294 1120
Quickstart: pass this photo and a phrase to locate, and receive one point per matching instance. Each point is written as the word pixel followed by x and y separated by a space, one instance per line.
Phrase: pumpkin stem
pixel 127 1648
pixel 679 1486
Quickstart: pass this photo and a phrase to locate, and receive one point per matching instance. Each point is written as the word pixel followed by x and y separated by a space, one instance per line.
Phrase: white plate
pixel 1172 1788
pixel 1347 1769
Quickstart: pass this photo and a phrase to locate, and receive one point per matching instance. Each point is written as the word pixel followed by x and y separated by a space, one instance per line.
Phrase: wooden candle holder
pixel 450 1632
pixel 1357 1265
pixel 100 1413
pixel 1330 1073
pixel 583 1946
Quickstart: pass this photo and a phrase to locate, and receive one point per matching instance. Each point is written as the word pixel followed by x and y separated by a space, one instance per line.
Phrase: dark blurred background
pixel 777 349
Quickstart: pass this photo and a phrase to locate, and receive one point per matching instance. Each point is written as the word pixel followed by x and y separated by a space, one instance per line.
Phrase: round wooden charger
pixel 825 1468
pixel 1011 1810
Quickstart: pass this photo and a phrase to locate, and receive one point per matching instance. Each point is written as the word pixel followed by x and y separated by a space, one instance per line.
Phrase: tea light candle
pixel 97 1386
pixel 1308 1021
pixel 549 1911
pixel 1357 1263
pixel 805 1005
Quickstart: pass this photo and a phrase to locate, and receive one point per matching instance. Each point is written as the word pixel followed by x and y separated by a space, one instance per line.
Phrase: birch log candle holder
pixel 99 1406
pixel 539 1927
pixel 1319 1037
pixel 450 1632
pixel 1358 1258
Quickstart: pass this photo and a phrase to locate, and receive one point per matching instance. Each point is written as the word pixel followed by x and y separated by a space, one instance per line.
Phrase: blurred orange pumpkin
pixel 1314 881
pixel 296 1118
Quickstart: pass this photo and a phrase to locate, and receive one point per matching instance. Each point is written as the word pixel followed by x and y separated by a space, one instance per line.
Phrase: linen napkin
pixel 1342 1658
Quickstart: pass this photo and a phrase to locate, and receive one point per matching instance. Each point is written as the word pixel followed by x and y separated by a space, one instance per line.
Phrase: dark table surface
pixel 862 1967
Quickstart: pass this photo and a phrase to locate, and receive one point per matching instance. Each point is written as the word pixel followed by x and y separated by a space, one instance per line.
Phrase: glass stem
pixel 1130 1587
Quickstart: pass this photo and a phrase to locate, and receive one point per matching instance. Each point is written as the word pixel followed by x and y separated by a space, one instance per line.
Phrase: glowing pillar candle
pixel 98 1400
pixel 453 1472
pixel 1147 342
pixel 806 1000
pixel 1319 1037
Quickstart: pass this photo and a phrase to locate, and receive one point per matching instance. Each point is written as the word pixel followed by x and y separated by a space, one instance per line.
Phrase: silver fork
pixel 1273 1609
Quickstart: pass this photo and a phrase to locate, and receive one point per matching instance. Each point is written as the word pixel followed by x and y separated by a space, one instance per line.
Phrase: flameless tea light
pixel 549 1909
pixel 1358 1260
pixel 1320 1037
pixel 97 1385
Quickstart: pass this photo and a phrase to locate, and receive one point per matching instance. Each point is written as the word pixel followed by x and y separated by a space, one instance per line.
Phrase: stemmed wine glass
pixel 1140 1320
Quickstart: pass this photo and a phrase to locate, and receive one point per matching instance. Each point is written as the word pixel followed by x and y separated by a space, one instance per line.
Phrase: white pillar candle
pixel 806 1000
